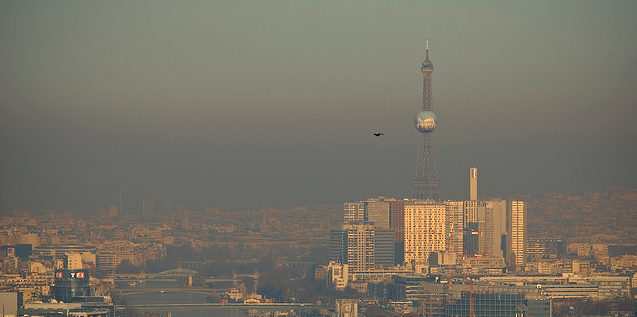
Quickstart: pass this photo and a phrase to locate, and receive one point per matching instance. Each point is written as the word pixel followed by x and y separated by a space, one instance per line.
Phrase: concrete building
pixel 30 238
pixel 383 248
pixel 347 308
pixel 517 234
pixel 397 224
pixel 473 183
pixel 86 309
pixel 362 246
pixel 354 212
pixel 377 211
pixel 54 251
pixel 455 227
pixel 473 209
pixel 568 285
pixel 74 261
pixel 338 246
pixel 107 261
pixel 498 304
pixel 380 275
pixel 410 287
pixel 10 302
pixel 607 286
pixel 425 229
pixel 492 228
pixel 337 275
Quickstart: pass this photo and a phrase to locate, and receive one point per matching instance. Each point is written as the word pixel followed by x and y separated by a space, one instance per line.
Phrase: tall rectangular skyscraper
pixel 492 225
pixel 397 221
pixel 360 247
pixel 425 229
pixel 383 248
pixel 517 236
pixel 473 183
pixel 338 246
pixel 455 226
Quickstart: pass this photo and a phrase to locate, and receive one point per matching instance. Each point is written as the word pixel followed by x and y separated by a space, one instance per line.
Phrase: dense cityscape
pixel 548 254
pixel 556 255
pixel 323 255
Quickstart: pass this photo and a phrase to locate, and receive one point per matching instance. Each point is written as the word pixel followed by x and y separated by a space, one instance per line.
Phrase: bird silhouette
pixel 378 134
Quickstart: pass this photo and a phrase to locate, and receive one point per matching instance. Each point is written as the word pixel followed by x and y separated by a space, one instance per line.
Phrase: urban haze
pixel 256 104
pixel 306 158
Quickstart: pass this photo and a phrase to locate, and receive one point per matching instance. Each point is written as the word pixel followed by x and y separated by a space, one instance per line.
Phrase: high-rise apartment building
pixel 473 211
pixel 354 212
pixel 425 229
pixel 397 223
pixel 338 246
pixel 455 226
pixel 362 246
pixel 492 227
pixel 485 224
pixel 517 236
pixel 384 253
pixel 377 211
pixel 472 208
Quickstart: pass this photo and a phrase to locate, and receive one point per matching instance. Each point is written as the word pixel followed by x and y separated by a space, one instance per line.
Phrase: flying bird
pixel 378 134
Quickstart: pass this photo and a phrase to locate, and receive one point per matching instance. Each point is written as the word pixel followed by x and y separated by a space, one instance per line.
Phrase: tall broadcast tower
pixel 426 183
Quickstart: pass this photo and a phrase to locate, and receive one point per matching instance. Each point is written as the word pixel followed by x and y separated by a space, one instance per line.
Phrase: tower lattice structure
pixel 426 183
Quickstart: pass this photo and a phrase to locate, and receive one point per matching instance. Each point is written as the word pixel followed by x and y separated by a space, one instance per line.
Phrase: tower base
pixel 429 190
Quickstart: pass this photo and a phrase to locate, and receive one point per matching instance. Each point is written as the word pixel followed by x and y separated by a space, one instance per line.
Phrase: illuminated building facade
pixel 425 229
pixel 517 236
pixel 455 226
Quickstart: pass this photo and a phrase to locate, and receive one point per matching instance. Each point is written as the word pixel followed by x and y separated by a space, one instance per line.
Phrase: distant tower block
pixel 426 183
pixel 517 234
pixel 148 207
pixel 473 183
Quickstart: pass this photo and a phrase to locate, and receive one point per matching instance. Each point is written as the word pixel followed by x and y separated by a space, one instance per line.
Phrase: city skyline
pixel 257 104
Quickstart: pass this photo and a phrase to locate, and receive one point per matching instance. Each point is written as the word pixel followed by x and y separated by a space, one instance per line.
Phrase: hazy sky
pixel 267 103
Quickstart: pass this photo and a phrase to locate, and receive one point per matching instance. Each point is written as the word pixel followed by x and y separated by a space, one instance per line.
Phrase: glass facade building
pixel 71 285
pixel 498 305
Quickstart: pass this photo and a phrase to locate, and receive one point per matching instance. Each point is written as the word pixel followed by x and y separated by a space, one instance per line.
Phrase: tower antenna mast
pixel 426 49
pixel 426 183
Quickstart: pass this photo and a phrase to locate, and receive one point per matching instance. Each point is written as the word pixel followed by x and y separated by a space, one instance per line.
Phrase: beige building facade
pixel 425 229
